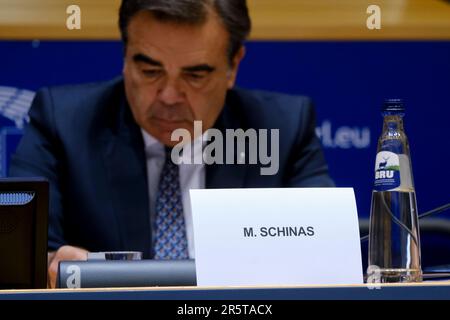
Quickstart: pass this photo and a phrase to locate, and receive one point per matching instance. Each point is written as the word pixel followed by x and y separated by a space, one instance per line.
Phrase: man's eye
pixel 195 76
pixel 151 73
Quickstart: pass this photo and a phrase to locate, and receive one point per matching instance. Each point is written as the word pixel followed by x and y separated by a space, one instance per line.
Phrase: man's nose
pixel 171 93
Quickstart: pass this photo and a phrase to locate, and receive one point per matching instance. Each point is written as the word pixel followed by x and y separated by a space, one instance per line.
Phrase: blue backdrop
pixel 347 80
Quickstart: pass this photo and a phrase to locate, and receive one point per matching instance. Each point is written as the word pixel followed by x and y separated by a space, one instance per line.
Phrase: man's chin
pixel 169 125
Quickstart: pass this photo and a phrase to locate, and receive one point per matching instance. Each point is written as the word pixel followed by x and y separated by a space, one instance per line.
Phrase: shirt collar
pixel 152 145
pixel 149 140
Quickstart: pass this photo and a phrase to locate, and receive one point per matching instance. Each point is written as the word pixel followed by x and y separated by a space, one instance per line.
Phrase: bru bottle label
pixel 387 171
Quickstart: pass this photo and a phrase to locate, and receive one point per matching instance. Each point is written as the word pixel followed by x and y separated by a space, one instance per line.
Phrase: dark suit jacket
pixel 85 141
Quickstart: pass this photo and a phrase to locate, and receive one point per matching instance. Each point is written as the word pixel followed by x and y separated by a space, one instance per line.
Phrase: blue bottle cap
pixel 393 106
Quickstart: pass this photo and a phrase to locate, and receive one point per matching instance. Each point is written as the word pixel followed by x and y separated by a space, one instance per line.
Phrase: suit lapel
pixel 227 175
pixel 124 156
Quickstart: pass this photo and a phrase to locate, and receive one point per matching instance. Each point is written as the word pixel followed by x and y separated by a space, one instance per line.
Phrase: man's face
pixel 176 73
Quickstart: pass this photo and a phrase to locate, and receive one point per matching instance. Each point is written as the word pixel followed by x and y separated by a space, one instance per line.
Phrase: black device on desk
pixel 23 233
pixel 117 273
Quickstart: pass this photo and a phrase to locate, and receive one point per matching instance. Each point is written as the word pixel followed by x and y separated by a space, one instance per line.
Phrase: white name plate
pixel 287 236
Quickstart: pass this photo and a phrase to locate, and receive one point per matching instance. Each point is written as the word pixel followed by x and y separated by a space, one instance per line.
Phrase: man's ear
pixel 232 74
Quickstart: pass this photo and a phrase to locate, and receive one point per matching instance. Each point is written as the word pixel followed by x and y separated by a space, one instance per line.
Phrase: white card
pixel 286 236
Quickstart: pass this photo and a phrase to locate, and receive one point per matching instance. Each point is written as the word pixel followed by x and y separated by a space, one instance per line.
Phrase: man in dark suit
pixel 102 146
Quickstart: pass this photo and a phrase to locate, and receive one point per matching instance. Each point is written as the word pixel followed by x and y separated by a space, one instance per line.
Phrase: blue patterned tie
pixel 170 238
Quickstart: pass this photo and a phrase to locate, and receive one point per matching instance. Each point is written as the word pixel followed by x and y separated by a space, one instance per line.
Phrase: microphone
pixel 424 215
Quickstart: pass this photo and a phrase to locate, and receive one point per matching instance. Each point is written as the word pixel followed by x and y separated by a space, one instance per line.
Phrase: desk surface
pixel 423 291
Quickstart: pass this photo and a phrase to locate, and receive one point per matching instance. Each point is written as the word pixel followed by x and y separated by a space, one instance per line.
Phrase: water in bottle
pixel 394 242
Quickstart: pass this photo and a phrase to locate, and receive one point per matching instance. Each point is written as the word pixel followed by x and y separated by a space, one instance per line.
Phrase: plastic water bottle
pixel 394 242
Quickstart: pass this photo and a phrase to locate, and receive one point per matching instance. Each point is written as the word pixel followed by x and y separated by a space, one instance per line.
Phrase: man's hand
pixel 63 253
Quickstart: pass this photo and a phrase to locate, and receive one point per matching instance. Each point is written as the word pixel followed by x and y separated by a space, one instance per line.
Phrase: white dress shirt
pixel 192 176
